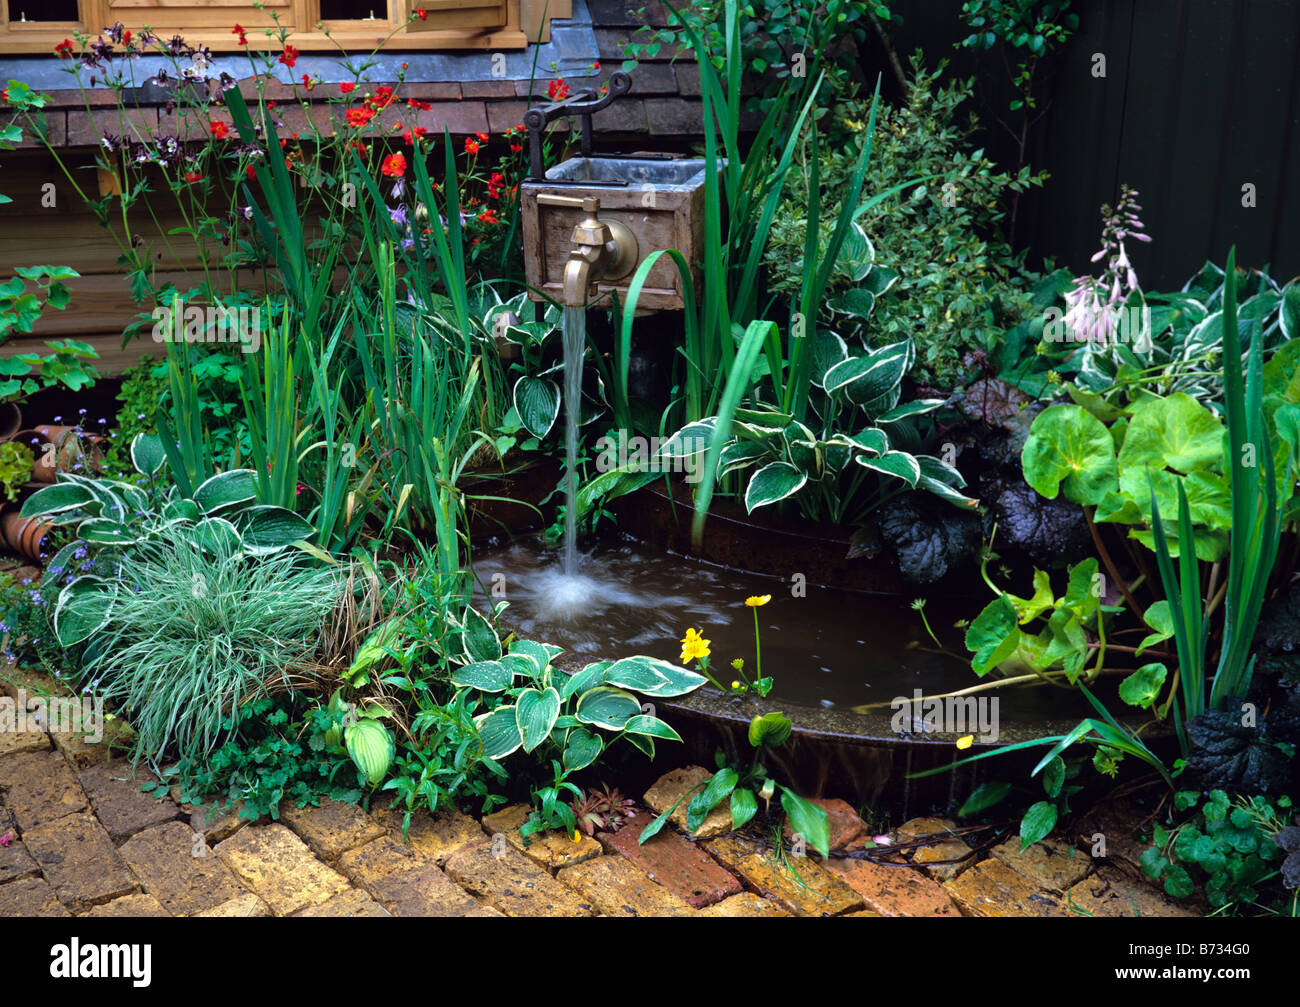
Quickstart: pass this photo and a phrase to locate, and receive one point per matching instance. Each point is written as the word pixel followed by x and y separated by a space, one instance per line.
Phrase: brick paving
pixel 84 840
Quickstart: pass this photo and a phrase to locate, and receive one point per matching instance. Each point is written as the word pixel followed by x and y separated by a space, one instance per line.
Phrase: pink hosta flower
pixel 1092 307
pixel 6 840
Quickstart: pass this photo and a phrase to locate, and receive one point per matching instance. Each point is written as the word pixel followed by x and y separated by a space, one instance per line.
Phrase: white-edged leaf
pixel 774 481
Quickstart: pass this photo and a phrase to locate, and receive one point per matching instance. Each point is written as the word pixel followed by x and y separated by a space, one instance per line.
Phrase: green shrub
pixel 958 282
pixel 16 463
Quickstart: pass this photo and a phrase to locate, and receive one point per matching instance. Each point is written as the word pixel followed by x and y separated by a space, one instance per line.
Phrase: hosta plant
pixel 113 518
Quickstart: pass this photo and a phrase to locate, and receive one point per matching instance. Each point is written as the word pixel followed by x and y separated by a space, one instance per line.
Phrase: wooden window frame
pixel 526 21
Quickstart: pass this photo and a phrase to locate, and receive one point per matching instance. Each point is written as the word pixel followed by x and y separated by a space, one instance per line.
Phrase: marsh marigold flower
pixel 966 742
pixel 694 646
pixel 755 600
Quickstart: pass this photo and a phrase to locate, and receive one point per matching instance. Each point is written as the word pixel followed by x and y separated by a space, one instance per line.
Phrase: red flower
pixel 421 13
pixel 358 117
pixel 516 148
pixel 64 49
pixel 381 99
pixel 359 147
pixel 596 65
pixel 489 216
pixel 192 176
pixel 289 57
pixel 219 129
pixel 494 185
pixel 422 106
pixel 411 135
pixel 307 82
pixel 557 90
pixel 250 172
pixel 4 94
pixel 471 145
pixel 126 38
pixel 483 137
pixel 239 31
pixel 347 87
pixel 394 166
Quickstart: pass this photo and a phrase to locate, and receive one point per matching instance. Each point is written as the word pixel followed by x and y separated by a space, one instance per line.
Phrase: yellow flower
pixel 735 684
pixel 966 742
pixel 755 600
pixel 576 836
pixel 694 646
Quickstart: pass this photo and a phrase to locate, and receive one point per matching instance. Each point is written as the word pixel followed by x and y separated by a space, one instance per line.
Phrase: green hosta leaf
pixel 689 440
pixel 216 536
pixel 634 673
pixel 535 653
pixel 807 820
pixel 147 454
pixel 1289 315
pixel 486 676
pixel 828 349
pixel 1070 449
pixel 226 489
pixel 869 380
pixel 1143 686
pixel 677 681
pixel 582 749
pixel 480 639
pixel 898 464
pixel 266 528
pixel 588 678
pixel 917 407
pixel 83 609
pixel 605 706
pixel 105 531
pixel 181 510
pixel 536 711
pixel 499 732
pixel 856 302
pixel 62 496
pixel 651 727
pixel 872 439
pixel 372 748
pixel 771 483
pixel 538 403
pixel 744 805
pixel 1037 824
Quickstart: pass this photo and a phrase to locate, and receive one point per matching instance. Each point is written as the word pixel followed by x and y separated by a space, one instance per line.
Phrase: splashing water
pixel 575 344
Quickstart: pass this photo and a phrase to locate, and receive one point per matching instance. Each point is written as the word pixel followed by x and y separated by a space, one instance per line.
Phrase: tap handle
pixel 588 204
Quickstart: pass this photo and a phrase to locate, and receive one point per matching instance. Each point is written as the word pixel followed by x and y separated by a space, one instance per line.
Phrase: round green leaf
pixel 1143 686
pixel 1070 449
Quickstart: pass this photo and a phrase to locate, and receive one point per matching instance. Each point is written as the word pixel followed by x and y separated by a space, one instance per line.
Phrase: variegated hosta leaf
pixel 739 455
pixel 773 482
pixel 898 464
pixel 871 439
pixel 828 349
pixel 917 407
pixel 690 439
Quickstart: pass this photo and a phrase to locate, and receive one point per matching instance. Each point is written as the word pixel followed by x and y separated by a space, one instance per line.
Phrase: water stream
pixel 574 334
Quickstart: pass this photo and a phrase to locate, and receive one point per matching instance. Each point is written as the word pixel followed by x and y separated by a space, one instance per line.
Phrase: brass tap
pixel 602 249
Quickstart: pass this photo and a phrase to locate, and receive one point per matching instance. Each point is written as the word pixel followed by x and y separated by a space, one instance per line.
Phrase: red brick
pixel 680 866
pixel 436 90
pixel 502 115
pixel 674 117
pixel 627 115
pixel 488 89
pixel 894 891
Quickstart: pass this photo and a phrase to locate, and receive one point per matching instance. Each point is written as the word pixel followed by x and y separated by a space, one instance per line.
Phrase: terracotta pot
pixel 66 450
pixel 24 536
pixel 11 420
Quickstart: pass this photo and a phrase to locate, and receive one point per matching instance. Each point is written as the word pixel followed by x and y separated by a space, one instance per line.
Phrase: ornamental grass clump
pixel 195 632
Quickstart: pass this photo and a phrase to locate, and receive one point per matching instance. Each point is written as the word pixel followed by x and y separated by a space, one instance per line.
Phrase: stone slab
pixel 676 863
pixel 178 868
pixel 39 788
pixel 119 803
pixel 378 859
pixel 331 829
pixel 1048 864
pixel 991 888
pixel 433 837
pixel 12 742
pixel 422 891
pixel 800 884
pixel 30 897
pixel 130 906
pixel 279 868
pixel 1111 893
pixel 941 849
pixel 79 861
pixel 244 906
pixel 15 861
pixel 617 888
pixel 551 850
pixel 669 788
pixel 352 902
pixel 744 904
pixel 508 881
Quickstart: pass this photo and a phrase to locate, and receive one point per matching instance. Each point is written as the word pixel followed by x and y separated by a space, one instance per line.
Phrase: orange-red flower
pixel 516 148
pixel 381 99
pixel 471 145
pixel 557 90
pixel 347 87
pixel 394 166
pixel 421 13
pixel 358 117
pixel 219 129
pixel 64 49
pixel 494 185
pixel 192 176
pixel 482 137
pixel 289 57
pixel 489 217
pixel 241 39
pixel 307 82
pixel 126 39
pixel 422 106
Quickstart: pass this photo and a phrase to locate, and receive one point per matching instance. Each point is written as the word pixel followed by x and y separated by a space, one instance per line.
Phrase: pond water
pixel 824 647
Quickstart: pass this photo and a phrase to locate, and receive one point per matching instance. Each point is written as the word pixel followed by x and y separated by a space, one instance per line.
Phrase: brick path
pixel 84 840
